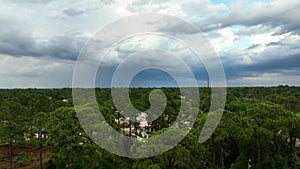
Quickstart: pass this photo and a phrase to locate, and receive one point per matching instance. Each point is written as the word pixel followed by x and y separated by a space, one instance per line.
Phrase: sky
pixel 257 41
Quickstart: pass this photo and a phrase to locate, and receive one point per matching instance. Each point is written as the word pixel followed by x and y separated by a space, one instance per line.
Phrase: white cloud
pixel 148 42
pixel 202 8
pixel 266 79
pixel 251 33
pixel 226 38
pixel 34 72
pixel 273 13
pixel 167 7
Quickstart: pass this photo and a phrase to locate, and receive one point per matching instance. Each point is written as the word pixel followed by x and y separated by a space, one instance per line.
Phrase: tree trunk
pixel 292 138
pixel 41 155
pixel 10 154
pixel 214 152
pixel 129 129
pixel 172 163
pixel 214 159
pixel 136 128
pixel 258 152
pixel 222 158
pixel 70 163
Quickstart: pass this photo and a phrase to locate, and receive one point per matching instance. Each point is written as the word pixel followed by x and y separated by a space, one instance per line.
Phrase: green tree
pixel 65 135
pixel 13 118
pixel 72 148
pixel 267 135
pixel 39 125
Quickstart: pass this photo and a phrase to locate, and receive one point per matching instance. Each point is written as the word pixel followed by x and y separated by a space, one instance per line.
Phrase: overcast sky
pixel 258 41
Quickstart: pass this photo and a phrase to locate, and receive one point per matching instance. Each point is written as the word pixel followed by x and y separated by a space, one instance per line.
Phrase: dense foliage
pixel 260 128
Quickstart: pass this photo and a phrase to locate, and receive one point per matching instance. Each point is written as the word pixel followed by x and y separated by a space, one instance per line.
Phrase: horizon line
pixel 136 87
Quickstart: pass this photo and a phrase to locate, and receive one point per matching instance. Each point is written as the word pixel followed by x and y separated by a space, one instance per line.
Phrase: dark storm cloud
pixel 255 29
pixel 285 17
pixel 17 43
pixel 181 27
pixel 63 47
pixel 149 78
pixel 269 64
pixel 72 12
pixel 253 46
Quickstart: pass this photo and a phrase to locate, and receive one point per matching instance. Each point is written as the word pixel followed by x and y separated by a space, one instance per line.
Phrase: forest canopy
pixel 260 128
